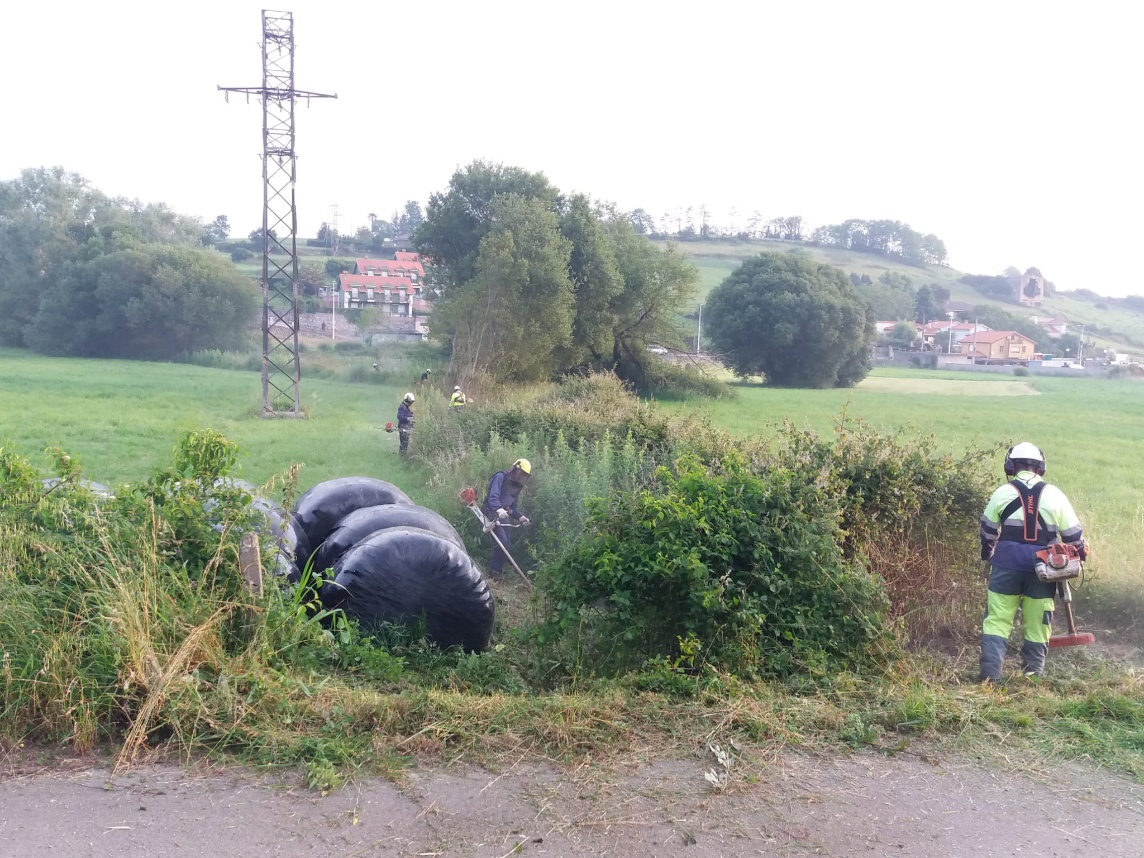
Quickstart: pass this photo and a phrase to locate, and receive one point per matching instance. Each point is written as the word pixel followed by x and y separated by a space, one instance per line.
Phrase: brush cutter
pixel 469 499
pixel 1061 563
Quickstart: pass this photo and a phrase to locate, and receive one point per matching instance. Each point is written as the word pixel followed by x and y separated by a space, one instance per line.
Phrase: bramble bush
pixel 746 567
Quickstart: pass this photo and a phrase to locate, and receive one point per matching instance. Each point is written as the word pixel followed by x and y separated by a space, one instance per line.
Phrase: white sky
pixel 1006 128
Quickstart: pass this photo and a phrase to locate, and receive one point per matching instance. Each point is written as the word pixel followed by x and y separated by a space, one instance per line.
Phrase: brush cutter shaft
pixel 469 499
pixel 1073 638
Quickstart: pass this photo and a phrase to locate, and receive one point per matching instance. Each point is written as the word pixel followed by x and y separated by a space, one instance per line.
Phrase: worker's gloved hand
pixel 523 519
pixel 1084 551
pixel 502 515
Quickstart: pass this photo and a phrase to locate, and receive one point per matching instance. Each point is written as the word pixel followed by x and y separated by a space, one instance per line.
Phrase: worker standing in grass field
pixel 1021 518
pixel 457 400
pixel 501 504
pixel 405 422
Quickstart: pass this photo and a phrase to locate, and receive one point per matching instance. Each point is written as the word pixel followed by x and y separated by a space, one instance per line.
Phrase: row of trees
pixel 885 237
pixel 689 224
pixel 532 283
pixel 894 296
pixel 82 273
pixel 380 235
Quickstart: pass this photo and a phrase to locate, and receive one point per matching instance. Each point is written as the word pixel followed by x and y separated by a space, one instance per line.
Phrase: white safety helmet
pixel 1024 452
pixel 457 388
pixel 409 397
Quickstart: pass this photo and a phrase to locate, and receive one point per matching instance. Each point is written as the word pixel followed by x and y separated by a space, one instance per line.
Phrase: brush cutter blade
pixel 1074 639
pixel 468 496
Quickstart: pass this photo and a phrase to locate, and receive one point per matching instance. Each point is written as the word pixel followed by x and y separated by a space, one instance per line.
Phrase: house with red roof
pixel 395 286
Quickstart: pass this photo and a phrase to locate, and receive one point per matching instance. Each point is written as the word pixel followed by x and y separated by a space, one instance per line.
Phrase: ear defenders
pixel 1011 466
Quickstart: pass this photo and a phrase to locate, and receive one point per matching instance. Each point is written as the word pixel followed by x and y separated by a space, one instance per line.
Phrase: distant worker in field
pixel 425 375
pixel 1021 518
pixel 457 400
pixel 501 504
pixel 405 422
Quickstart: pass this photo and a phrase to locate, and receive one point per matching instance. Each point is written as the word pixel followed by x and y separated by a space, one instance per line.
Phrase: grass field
pixel 122 418
pixel 1089 430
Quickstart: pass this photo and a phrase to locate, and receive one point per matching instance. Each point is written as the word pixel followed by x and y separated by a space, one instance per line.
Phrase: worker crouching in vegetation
pixel 501 504
pixel 1021 518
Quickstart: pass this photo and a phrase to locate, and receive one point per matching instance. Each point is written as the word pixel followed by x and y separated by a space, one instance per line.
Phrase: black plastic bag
pixel 320 509
pixel 362 522
pixel 404 574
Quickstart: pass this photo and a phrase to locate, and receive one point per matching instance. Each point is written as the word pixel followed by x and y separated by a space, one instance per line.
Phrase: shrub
pixel 746 567
pixel 908 511
pixel 1020 371
pixel 583 409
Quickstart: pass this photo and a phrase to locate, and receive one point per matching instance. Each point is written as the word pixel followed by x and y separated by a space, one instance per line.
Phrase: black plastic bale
pixel 362 522
pixel 320 509
pixel 405 574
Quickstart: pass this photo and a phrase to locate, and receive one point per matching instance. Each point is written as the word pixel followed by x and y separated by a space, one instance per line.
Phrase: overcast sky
pixel 1006 128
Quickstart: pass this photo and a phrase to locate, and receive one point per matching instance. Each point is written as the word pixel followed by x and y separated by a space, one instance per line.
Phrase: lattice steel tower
pixel 281 371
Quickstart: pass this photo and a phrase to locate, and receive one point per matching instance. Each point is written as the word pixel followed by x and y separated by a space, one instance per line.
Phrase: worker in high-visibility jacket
pixel 457 400
pixel 1021 518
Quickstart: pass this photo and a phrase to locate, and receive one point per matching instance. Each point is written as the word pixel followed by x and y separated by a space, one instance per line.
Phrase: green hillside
pixel 1113 323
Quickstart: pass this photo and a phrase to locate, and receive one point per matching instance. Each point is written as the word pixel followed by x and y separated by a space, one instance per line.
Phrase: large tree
pixel 457 220
pixel 797 322
pixel 53 221
pixel 514 318
pixel 152 302
pixel 596 280
pixel 657 284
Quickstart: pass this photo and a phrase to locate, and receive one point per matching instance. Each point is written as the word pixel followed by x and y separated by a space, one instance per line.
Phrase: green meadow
pixel 122 419
pixel 1089 429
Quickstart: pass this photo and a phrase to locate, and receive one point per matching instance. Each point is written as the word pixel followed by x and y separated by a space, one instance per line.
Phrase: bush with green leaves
pixel 748 566
pixel 908 511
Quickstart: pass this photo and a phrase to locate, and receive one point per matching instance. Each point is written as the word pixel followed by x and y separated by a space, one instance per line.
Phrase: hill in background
pixel 1109 322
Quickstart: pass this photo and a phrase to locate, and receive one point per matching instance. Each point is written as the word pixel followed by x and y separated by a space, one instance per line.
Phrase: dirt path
pixel 862 805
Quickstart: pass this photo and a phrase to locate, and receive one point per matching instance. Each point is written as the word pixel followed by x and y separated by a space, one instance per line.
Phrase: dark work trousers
pixel 496 565
pixel 403 436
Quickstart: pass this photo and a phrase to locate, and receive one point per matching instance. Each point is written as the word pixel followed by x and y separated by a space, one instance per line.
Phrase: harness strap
pixel 1029 501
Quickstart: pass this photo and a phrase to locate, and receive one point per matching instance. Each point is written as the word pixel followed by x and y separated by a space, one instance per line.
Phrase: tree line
pixel 82 273
pixel 531 283
pixel 884 237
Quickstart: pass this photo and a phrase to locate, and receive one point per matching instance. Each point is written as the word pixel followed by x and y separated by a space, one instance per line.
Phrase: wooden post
pixel 250 562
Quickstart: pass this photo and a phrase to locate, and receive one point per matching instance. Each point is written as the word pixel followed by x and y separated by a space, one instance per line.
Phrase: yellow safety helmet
pixel 524 465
